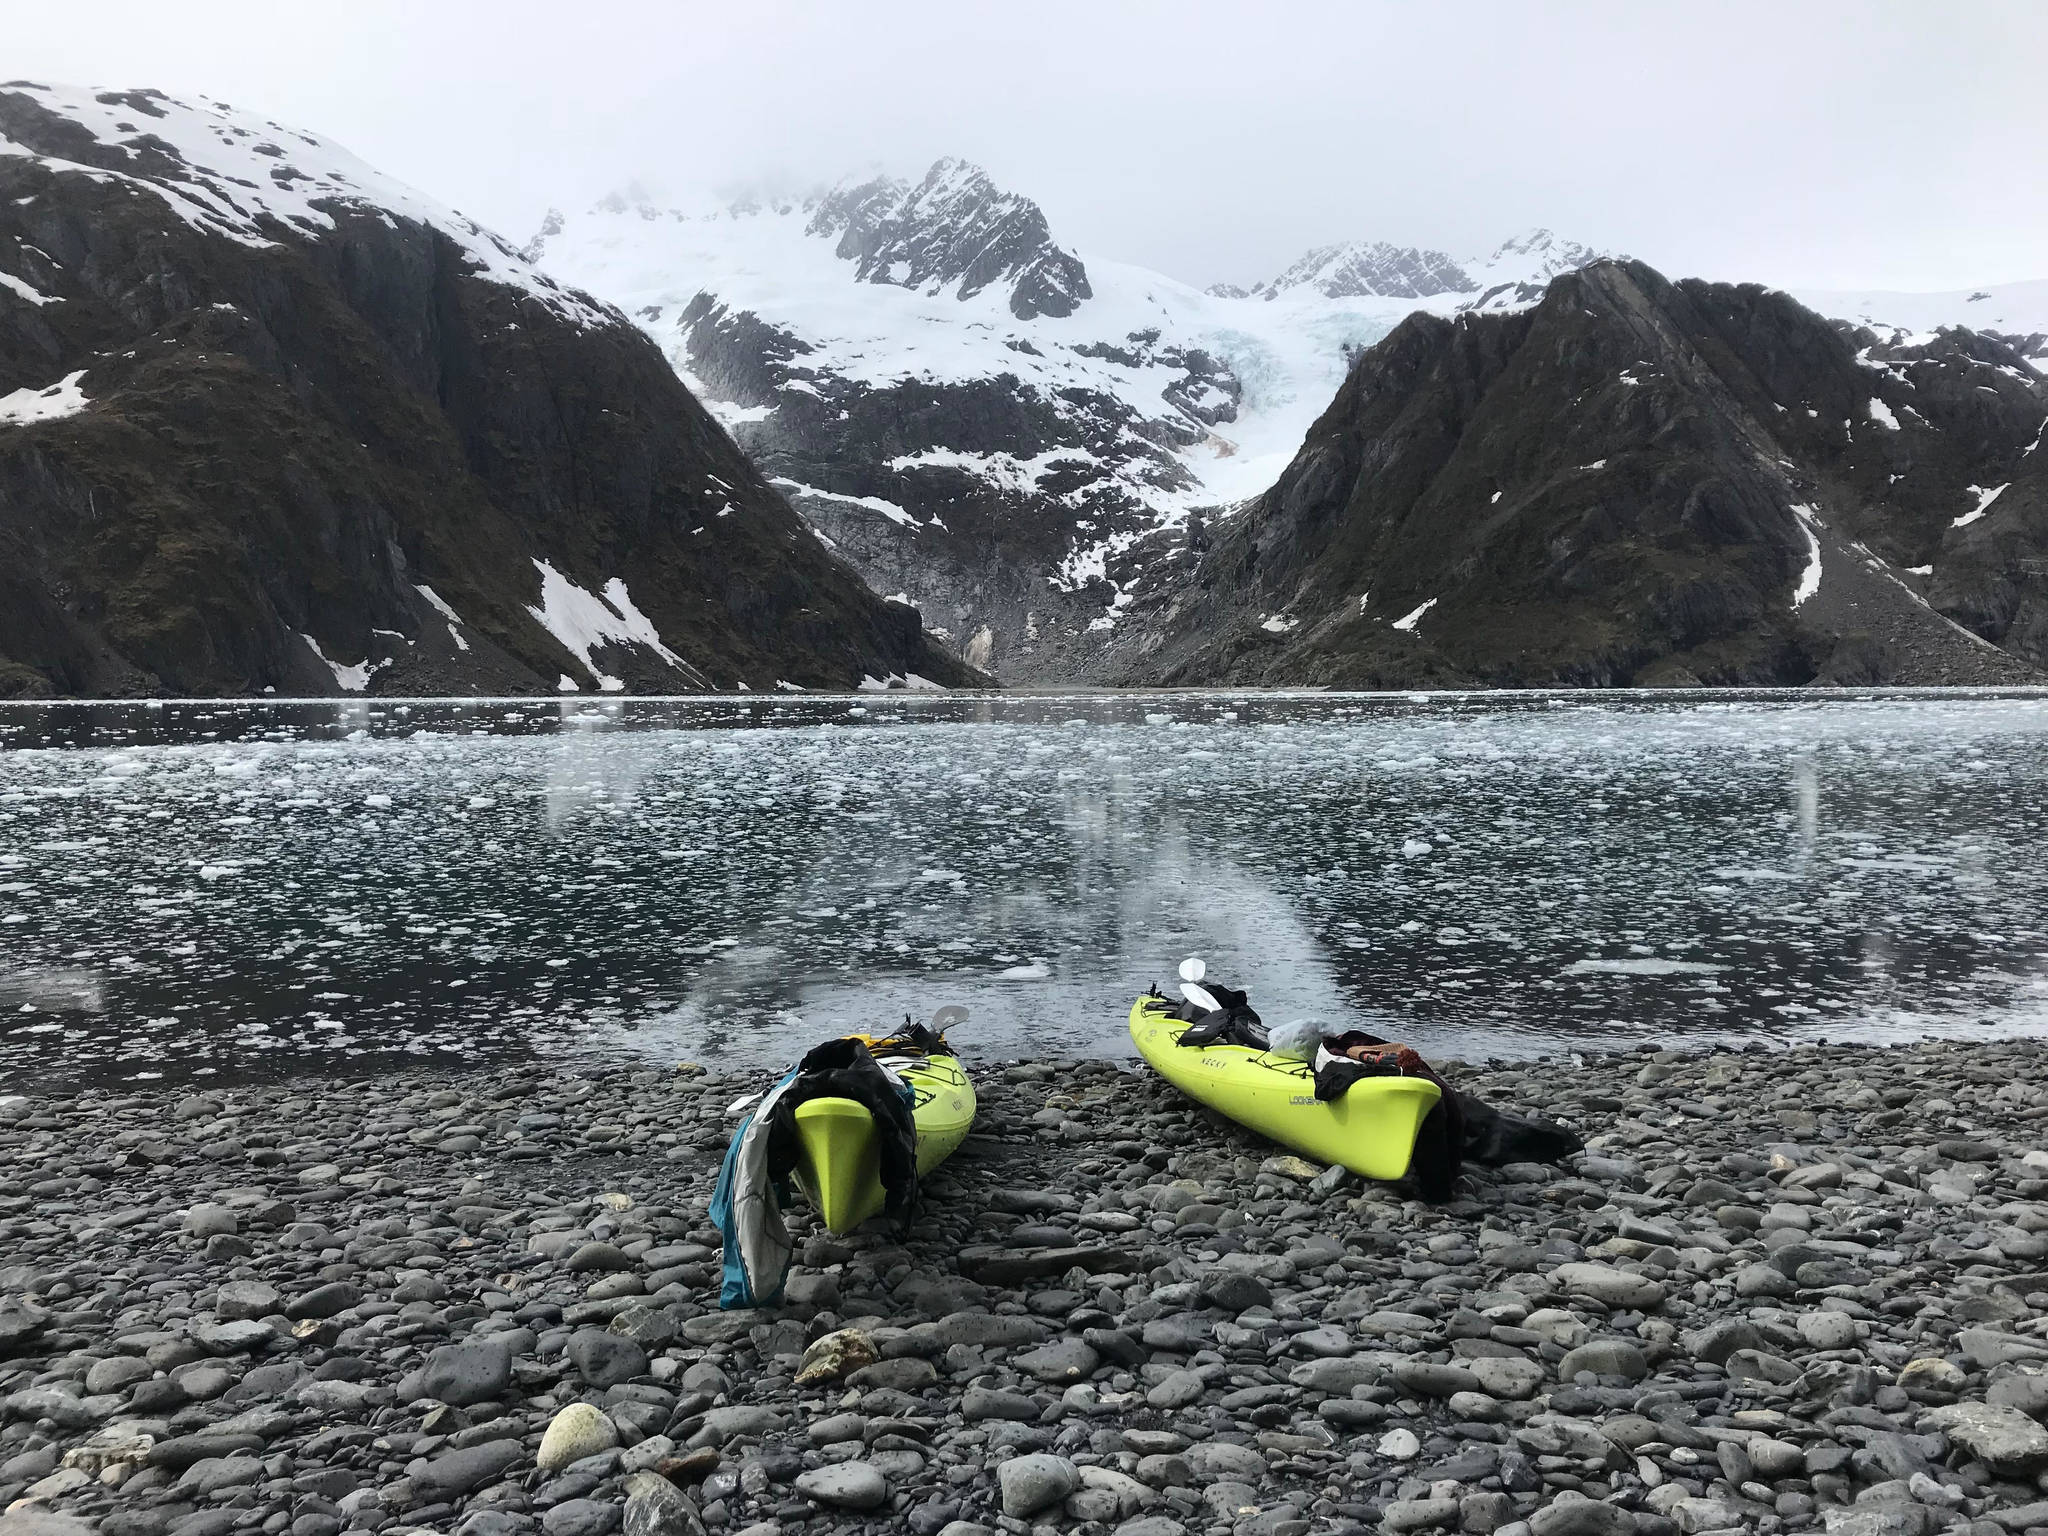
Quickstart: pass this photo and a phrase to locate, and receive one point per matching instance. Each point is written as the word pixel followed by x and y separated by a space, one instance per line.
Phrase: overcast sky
pixel 1886 143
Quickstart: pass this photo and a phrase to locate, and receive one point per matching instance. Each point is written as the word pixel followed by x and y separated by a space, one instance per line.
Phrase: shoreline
pixel 1055 691
pixel 1787 1289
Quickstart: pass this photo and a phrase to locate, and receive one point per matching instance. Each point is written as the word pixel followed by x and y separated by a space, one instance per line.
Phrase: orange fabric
pixel 1405 1059
pixel 892 1045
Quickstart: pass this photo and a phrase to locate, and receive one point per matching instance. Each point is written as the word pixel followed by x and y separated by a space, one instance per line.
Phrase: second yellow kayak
pixel 1370 1128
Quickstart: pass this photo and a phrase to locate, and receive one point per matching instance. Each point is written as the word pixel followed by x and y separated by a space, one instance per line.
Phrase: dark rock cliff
pixel 1634 482
pixel 351 446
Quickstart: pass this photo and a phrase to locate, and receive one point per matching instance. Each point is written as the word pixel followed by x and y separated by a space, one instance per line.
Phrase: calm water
pixel 201 890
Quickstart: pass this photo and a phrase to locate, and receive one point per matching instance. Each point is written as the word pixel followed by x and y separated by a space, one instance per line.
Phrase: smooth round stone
pixel 978 1403
pixel 1429 1379
pixel 1328 1343
pixel 242 1300
pixel 1604 1357
pixel 1224 1459
pixel 1036 1482
pixel 325 1301
pixel 845 1485
pixel 906 1373
pixel 581 1517
pixel 1608 1285
pixel 1176 1390
pixel 579 1430
pixel 1400 1445
pixel 1516 1380
pixel 604 1359
pixel 116 1375
pixel 1827 1330
pixel 598 1257
pixel 211 1220
pixel 1419 1514
pixel 838 1428
pixel 203 1383
pixel 1060 1362
pixel 1573 1514
pixel 1931 1376
pixel 462 1374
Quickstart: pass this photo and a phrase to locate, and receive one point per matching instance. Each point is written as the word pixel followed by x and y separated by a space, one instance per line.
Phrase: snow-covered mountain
pixel 982 420
pixel 995 427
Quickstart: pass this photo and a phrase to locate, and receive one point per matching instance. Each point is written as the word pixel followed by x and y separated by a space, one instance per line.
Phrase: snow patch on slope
pixel 1809 579
pixel 454 619
pixel 583 621
pixel 887 508
pixel 20 289
pixel 1409 620
pixel 349 678
pixel 25 407
pixel 1985 494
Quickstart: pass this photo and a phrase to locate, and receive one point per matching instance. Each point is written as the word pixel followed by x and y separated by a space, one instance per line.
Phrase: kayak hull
pixel 839 1158
pixel 1370 1129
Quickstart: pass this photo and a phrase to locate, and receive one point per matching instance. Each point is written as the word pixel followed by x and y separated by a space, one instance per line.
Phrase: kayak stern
pixel 840 1161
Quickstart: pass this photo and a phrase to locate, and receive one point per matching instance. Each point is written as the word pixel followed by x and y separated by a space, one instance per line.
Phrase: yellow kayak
pixel 839 1155
pixel 1370 1128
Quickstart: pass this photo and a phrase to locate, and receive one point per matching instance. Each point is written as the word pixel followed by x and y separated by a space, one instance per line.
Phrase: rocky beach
pixel 1784 1289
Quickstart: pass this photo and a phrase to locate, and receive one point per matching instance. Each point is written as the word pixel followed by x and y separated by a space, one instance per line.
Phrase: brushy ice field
pixel 258 889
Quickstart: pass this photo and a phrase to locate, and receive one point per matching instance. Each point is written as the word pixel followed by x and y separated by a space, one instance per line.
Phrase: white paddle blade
pixel 1193 969
pixel 949 1016
pixel 1201 997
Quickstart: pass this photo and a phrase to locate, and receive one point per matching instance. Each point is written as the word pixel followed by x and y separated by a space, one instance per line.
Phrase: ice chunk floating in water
pixel 1648 966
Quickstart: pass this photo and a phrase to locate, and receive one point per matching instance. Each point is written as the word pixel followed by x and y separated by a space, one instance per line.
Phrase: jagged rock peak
pixel 955 230
pixel 1515 273
pixel 1538 256
pixel 1358 268
pixel 550 226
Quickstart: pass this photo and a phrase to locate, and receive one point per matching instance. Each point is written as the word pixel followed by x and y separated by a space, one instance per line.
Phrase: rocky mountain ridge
pixel 271 422
pixel 1634 482
pixel 1515 272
